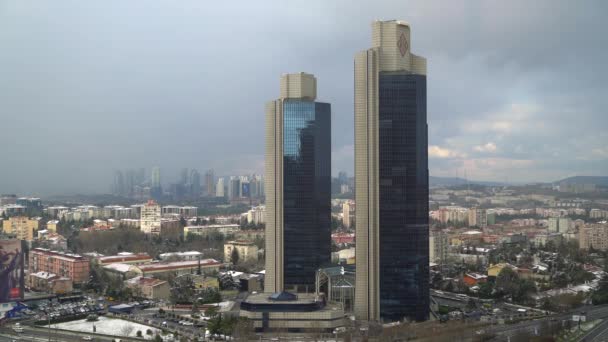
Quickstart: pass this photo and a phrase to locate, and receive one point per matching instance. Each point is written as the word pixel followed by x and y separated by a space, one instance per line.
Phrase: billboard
pixel 11 270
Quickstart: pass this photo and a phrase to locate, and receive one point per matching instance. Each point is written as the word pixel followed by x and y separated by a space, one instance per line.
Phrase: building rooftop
pixel 68 256
pixel 159 266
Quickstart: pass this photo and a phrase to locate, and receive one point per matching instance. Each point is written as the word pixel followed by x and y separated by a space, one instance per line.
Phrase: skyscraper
pixel 298 188
pixel 219 189
pixel 155 177
pixel 210 183
pixel 195 183
pixel 391 171
pixel 155 188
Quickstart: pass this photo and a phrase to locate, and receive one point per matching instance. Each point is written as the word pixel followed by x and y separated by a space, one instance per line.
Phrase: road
pixel 504 332
pixel 597 334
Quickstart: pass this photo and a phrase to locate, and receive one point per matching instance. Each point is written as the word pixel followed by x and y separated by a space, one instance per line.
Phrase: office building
pixel 391 175
pixel 298 185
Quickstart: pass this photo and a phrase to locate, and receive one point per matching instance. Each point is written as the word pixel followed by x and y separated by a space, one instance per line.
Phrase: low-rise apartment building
pixel 72 266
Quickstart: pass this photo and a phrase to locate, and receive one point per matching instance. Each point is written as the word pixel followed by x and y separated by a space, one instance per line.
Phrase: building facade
pixel 298 185
pixel 348 213
pixel 247 251
pixel 72 266
pixel 150 218
pixel 391 172
pixel 22 227
pixel 594 236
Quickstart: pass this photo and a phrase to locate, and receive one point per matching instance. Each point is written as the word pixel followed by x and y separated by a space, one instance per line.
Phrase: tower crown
pixel 298 86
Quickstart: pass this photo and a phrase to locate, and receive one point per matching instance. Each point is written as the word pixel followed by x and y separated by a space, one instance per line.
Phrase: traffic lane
pixel 598 333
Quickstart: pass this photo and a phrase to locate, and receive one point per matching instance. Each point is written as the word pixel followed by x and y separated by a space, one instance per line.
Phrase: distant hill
pixel 597 180
pixel 454 181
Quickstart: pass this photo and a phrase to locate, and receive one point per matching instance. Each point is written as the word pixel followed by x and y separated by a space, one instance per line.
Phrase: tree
pixel 507 281
pixel 139 333
pixel 234 257
pixel 182 290
pixel 600 296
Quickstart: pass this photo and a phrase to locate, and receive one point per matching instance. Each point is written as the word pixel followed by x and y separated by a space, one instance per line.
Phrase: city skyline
pixel 496 111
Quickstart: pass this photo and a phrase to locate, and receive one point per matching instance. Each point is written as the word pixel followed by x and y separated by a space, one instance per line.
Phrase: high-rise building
pixel 210 184
pixel 156 177
pixel 219 189
pixel 554 224
pixel 195 183
pixel 118 187
pixel 150 218
pixel 348 212
pixel 478 218
pixel 234 188
pixel 564 224
pixel 391 172
pixel 298 188
pixel 438 247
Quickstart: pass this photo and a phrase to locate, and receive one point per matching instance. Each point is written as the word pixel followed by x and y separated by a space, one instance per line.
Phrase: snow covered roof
pixel 121 268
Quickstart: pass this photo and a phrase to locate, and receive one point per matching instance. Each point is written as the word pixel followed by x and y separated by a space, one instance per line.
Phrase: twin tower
pixel 391 177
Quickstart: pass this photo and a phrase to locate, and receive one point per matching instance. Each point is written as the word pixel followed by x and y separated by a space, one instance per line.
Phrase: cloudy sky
pixel 517 90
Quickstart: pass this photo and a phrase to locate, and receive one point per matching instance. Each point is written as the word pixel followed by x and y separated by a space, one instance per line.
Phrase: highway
pixel 597 334
pixel 504 332
pixel 36 334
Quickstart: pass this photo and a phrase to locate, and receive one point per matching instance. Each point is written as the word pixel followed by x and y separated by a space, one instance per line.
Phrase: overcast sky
pixel 517 90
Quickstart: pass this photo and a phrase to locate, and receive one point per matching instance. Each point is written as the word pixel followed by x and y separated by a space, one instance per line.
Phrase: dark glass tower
pixel 298 162
pixel 391 167
pixel 403 196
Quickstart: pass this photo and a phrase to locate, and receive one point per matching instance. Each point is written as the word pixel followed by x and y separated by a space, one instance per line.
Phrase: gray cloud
pixel 88 87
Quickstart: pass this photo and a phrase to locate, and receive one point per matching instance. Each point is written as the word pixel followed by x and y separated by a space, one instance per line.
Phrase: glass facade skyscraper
pixel 298 173
pixel 391 170
pixel 403 196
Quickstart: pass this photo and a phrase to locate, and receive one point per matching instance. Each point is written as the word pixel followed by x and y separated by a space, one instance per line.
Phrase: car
pixel 186 323
pixel 18 329
pixel 87 338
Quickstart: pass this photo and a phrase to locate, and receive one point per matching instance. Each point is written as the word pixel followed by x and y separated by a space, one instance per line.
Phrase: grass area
pixel 574 334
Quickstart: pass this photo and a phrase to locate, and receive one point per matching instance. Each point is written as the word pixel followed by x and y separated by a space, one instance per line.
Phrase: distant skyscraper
pixel 195 183
pixel 118 187
pixel 391 172
pixel 298 189
pixel 234 188
pixel 155 190
pixel 155 177
pixel 184 176
pixel 219 189
pixel 210 183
